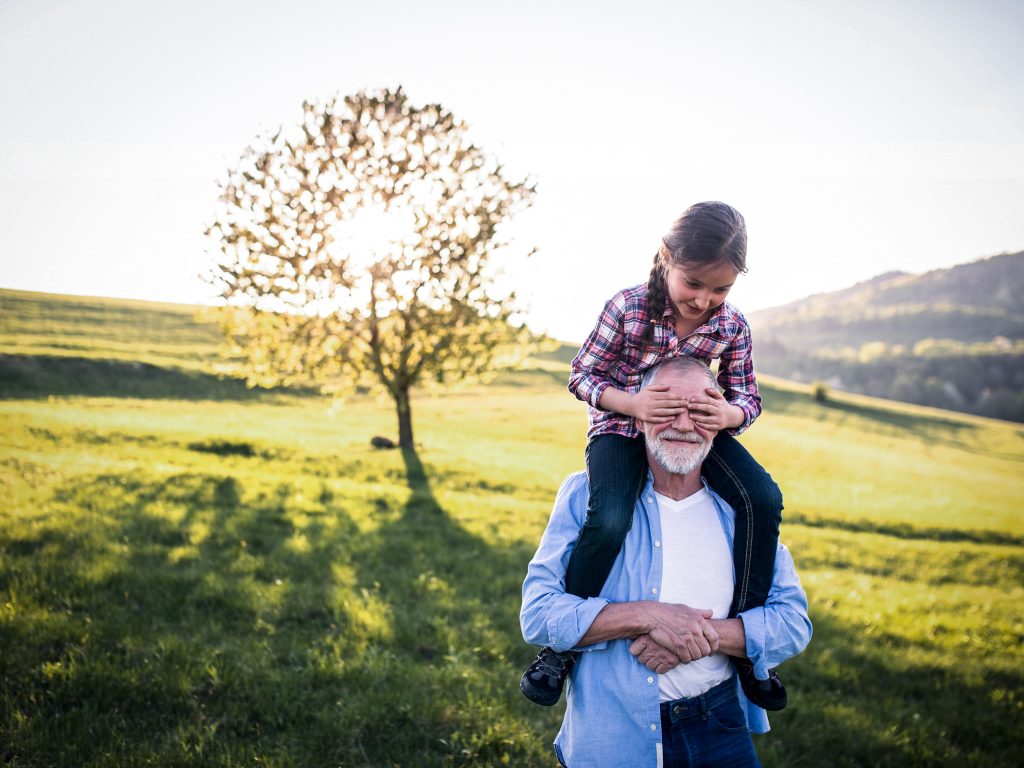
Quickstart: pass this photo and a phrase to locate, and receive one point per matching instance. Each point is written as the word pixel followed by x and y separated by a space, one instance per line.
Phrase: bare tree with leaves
pixel 357 245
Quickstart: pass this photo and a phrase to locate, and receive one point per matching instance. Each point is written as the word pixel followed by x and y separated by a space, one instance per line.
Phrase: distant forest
pixel 951 338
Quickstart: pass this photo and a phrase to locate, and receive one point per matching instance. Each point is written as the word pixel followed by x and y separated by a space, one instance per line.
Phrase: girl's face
pixel 697 291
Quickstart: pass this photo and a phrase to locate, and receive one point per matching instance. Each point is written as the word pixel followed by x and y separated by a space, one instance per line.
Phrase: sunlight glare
pixel 373 233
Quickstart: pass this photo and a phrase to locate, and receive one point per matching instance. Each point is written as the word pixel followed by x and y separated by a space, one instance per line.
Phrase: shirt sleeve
pixel 590 375
pixel 781 627
pixel 736 376
pixel 549 615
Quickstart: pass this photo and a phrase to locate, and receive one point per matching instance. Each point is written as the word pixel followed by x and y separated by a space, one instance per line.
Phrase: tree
pixel 357 250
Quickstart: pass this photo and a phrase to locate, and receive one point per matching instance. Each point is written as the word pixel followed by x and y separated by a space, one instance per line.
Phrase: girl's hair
pixel 706 233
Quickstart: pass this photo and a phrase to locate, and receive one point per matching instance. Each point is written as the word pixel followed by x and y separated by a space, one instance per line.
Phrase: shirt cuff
pixel 749 414
pixel 754 629
pixel 594 395
pixel 567 628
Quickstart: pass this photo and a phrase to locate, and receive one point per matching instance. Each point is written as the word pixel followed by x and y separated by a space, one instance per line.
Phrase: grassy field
pixel 195 574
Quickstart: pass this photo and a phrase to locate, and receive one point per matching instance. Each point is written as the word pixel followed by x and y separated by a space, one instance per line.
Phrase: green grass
pixel 229 578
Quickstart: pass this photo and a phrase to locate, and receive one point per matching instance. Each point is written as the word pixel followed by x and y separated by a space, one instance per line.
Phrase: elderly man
pixel 654 684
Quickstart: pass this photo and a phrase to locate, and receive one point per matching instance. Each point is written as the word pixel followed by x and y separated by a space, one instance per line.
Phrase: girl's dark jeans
pixel 617 468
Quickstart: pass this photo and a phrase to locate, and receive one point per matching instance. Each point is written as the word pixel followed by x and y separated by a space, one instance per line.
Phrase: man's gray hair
pixel 681 364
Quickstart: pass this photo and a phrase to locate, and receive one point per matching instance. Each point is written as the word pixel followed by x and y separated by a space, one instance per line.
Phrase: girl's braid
pixel 657 292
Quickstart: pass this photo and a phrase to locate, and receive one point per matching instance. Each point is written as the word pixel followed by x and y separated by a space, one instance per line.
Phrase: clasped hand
pixel 680 635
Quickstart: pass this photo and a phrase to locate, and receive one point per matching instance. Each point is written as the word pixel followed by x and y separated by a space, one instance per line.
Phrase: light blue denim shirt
pixel 612 715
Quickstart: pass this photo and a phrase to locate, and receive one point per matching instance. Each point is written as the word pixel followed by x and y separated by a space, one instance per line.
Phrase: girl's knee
pixel 766 498
pixel 608 530
pixel 770 495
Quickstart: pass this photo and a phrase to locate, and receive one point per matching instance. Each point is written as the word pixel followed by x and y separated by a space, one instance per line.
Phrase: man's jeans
pixel 707 731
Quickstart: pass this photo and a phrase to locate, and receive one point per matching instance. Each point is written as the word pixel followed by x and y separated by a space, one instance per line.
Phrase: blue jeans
pixel 617 468
pixel 707 731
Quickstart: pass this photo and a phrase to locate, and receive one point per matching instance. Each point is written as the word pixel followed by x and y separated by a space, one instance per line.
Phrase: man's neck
pixel 675 486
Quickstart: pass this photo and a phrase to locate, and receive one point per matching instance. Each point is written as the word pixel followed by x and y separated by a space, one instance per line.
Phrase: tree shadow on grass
pixel 454 635
pixel 181 620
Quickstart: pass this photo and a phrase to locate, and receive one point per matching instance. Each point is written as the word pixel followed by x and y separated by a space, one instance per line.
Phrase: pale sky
pixel 855 137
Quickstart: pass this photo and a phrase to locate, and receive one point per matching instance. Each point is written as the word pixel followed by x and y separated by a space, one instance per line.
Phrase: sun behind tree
pixel 356 248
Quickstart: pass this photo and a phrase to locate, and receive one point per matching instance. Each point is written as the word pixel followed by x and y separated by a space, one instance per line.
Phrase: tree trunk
pixel 404 418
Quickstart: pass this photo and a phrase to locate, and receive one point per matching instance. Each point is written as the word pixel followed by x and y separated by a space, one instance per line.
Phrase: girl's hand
pixel 713 412
pixel 655 405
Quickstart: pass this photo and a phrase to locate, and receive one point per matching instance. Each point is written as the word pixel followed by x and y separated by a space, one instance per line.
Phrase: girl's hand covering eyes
pixel 712 411
pixel 655 405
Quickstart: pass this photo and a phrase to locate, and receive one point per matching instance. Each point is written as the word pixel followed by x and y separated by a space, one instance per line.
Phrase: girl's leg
pixel 757 500
pixel 740 480
pixel 616 467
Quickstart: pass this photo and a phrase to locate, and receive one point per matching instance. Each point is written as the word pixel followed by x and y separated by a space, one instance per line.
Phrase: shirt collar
pixel 649 484
pixel 723 313
pixel 726 513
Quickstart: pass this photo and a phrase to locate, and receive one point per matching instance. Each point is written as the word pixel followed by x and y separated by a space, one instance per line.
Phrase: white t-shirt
pixel 698 571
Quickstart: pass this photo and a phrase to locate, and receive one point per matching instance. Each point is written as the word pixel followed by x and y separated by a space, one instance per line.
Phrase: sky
pixel 855 137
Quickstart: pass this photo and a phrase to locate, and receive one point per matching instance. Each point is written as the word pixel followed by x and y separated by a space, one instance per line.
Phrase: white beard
pixel 671 454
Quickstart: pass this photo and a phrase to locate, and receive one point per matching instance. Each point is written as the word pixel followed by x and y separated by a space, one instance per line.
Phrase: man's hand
pixel 711 411
pixel 655 657
pixel 655 405
pixel 683 630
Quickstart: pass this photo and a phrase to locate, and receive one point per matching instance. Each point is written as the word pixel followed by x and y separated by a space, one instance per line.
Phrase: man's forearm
pixel 685 631
pixel 615 621
pixel 732 639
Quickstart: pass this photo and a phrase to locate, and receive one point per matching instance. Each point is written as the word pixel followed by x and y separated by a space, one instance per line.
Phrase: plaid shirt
pixel 614 355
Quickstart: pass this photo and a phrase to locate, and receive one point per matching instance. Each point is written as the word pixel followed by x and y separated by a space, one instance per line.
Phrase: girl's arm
pixel 590 375
pixel 740 402
pixel 592 381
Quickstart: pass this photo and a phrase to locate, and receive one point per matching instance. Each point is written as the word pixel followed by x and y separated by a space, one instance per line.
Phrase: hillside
pixel 54 344
pixel 952 338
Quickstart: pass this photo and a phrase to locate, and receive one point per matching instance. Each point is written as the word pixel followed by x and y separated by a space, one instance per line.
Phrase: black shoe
pixel 768 694
pixel 542 682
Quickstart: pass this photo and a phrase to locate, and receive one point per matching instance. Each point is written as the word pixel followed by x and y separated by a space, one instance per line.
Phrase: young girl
pixel 681 311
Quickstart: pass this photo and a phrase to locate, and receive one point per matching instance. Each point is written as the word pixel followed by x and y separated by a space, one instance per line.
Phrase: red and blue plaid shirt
pixel 615 355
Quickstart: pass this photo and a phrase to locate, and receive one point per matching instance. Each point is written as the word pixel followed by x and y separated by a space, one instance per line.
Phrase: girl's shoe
pixel 542 683
pixel 768 694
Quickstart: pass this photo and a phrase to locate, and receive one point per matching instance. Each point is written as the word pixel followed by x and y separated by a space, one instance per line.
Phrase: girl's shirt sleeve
pixel 591 369
pixel 736 376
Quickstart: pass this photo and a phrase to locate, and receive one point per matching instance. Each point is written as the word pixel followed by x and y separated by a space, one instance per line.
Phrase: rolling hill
pixel 950 338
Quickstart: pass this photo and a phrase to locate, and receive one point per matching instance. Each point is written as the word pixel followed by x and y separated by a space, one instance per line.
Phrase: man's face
pixel 677 445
